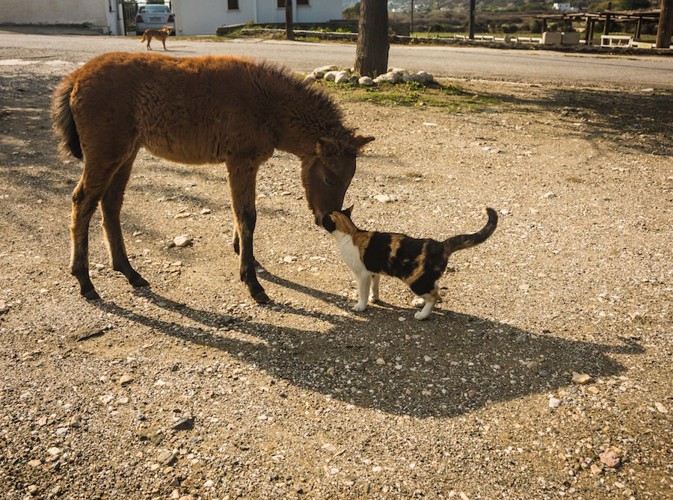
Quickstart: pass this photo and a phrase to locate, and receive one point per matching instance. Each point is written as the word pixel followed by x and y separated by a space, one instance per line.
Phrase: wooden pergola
pixel 607 16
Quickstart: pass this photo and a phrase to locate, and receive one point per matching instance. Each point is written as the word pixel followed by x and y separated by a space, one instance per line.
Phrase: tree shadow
pixel 448 366
pixel 637 121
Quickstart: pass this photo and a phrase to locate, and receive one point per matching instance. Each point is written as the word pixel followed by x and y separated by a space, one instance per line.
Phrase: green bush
pixel 535 26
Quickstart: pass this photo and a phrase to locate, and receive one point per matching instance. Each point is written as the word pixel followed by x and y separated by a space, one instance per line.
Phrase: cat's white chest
pixel 349 252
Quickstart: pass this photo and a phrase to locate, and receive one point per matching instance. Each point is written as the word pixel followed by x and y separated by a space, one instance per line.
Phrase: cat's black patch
pixel 405 261
pixel 377 251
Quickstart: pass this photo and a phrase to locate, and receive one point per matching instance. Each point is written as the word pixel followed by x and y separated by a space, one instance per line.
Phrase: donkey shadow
pixel 449 366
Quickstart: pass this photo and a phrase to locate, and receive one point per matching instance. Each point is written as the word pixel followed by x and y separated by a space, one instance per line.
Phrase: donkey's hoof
pixel 261 297
pixel 139 281
pixel 91 294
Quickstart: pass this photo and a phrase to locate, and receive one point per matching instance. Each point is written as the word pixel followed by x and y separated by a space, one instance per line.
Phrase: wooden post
pixel 411 27
pixel 606 26
pixel 544 24
pixel 639 27
pixel 588 32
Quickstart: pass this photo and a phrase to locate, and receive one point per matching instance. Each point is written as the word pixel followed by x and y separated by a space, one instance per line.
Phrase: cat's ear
pixel 348 211
pixel 361 141
pixel 328 223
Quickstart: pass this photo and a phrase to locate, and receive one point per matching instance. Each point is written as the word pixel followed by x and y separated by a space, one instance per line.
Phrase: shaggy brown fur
pixel 161 34
pixel 194 110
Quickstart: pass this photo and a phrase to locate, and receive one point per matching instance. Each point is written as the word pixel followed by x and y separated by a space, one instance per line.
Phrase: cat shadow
pixel 334 299
pixel 450 365
pixel 298 287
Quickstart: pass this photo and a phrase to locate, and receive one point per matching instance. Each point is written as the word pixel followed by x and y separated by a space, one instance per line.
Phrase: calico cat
pixel 417 262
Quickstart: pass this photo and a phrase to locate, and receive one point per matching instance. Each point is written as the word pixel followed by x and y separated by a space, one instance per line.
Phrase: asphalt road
pixel 533 66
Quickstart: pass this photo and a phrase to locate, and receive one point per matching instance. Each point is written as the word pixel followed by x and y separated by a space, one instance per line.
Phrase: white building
pixel 192 17
pixel 103 16
pixel 564 7
pixel 203 17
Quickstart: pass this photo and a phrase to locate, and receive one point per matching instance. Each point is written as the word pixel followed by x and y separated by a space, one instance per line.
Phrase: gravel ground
pixel 546 371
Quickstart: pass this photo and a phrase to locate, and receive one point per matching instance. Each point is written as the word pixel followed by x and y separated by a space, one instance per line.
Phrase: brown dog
pixel 161 34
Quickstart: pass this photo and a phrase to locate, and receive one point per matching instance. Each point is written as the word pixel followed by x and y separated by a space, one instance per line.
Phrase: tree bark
pixel 289 31
pixel 665 28
pixel 371 56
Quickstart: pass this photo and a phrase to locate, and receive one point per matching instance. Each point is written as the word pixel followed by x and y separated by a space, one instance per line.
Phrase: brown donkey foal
pixel 194 110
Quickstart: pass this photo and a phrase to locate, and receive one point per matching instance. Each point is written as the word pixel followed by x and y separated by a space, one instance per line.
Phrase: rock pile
pixel 394 76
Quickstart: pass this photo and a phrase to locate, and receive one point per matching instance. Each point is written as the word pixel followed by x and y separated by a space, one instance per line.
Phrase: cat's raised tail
pixel 462 241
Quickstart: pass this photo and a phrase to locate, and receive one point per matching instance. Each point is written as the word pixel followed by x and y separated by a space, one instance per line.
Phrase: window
pixel 232 4
pixel 154 8
pixel 281 3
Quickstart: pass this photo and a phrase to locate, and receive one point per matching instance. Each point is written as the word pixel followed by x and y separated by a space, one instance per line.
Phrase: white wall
pixel 55 12
pixel 203 17
pixel 319 11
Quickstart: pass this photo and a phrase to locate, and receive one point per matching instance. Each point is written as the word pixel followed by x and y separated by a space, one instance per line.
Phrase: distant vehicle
pixel 154 16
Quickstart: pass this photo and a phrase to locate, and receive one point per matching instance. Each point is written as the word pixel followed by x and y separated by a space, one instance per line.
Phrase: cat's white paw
pixel 359 307
pixel 418 302
pixel 421 315
pixel 373 299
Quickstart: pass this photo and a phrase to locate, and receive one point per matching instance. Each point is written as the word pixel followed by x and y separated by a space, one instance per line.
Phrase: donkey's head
pixel 327 174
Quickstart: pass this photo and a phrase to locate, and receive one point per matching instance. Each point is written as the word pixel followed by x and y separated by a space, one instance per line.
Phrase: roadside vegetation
pixel 451 98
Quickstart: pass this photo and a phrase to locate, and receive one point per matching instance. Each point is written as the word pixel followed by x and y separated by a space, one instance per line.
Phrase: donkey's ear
pixel 362 140
pixel 348 211
pixel 326 146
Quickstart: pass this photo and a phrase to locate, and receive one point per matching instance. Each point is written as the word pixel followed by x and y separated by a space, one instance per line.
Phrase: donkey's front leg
pixel 242 183
pixel 246 220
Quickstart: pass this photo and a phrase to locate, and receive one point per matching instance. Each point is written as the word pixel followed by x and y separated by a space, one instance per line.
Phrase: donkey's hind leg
pixel 111 205
pixel 85 198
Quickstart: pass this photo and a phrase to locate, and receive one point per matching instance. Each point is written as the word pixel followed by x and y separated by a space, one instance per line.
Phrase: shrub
pixel 535 26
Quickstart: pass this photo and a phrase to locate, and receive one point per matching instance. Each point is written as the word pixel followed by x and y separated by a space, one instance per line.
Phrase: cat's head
pixel 329 220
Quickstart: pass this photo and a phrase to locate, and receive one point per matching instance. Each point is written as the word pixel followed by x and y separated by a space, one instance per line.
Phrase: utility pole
pixel 289 31
pixel 471 22
pixel 411 28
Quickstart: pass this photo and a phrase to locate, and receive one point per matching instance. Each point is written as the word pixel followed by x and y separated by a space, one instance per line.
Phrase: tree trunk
pixel 289 32
pixel 665 29
pixel 371 56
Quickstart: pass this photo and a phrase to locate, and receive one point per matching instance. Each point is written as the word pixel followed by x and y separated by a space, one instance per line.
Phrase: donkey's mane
pixel 315 94
pixel 307 106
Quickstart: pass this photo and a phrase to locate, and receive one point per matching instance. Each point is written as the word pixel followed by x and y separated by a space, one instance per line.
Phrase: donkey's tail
pixel 469 240
pixel 63 121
